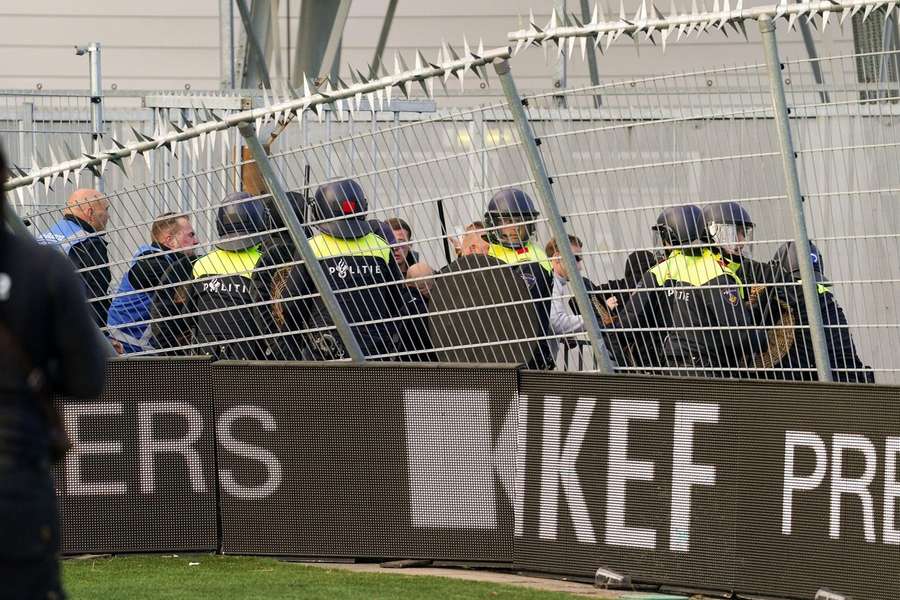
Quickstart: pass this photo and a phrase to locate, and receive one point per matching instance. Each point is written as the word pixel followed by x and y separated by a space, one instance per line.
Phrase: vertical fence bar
pixel 302 243
pixel 26 138
pixel 96 105
pixel 551 209
pixel 795 199
pixel 591 55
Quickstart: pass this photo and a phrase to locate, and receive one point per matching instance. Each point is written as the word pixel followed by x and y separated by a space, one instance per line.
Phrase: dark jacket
pixel 171 327
pixel 269 280
pixel 48 315
pixel 799 363
pixel 43 309
pixel 91 260
pixel 151 266
pixel 698 305
pixel 536 270
pixel 356 270
pixel 413 331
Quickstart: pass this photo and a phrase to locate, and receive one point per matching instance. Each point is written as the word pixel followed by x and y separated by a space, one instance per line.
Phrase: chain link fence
pixel 458 284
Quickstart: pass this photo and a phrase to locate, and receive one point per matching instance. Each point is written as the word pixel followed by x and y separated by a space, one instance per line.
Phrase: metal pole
pixel 295 229
pixel 383 37
pixel 255 46
pixel 888 43
pixel 93 52
pixel 231 73
pixel 551 209
pixel 225 60
pixel 814 63
pixel 559 82
pixel 795 199
pixel 27 138
pixel 591 55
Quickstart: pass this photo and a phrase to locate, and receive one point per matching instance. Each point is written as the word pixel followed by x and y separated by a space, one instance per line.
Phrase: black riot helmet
pixel 241 222
pixel 681 226
pixel 786 259
pixel 342 206
pixel 730 227
pixel 508 207
pixel 298 205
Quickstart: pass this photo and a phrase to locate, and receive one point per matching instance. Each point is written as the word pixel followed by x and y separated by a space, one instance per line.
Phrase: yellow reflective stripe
pixel 820 288
pixel 223 262
pixel 325 246
pixel 510 256
pixel 693 270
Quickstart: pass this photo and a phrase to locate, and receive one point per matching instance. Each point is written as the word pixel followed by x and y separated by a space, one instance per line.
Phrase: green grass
pixel 140 577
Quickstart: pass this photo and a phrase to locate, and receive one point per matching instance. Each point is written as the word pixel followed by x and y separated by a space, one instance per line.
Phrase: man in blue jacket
pixel 172 239
pixel 80 236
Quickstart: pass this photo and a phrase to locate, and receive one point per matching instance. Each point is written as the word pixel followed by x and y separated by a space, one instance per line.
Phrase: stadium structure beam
pixel 319 33
pixel 383 37
pixel 257 37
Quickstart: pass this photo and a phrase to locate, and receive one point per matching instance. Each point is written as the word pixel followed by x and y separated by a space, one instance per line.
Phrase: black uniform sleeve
pixel 149 269
pixel 172 300
pixel 92 261
pixel 80 350
pixel 642 311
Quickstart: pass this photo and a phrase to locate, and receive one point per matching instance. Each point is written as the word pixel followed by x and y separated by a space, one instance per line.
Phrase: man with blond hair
pixel 172 239
pixel 79 235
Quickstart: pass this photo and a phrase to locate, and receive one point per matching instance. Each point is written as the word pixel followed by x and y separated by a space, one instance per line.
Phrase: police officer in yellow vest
pixel 695 300
pixel 510 222
pixel 215 310
pixel 357 262
pixel 798 362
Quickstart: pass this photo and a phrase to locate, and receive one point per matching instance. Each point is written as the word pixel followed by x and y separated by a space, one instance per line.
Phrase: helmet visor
pixel 733 239
pixel 660 247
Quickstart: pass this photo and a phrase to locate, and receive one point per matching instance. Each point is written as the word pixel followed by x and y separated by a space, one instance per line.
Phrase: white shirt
pixel 562 319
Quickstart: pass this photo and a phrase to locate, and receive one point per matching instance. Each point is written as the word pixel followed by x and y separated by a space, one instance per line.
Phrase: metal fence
pixel 603 170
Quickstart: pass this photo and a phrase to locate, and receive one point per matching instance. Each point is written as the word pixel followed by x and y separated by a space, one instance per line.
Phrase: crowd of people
pixel 697 304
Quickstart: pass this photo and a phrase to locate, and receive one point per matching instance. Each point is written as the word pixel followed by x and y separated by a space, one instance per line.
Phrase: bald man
pixel 79 235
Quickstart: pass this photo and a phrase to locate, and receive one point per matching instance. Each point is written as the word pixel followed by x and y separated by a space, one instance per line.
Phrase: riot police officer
pixel 510 224
pixel 694 300
pixel 357 263
pixel 798 363
pixel 731 228
pixel 221 287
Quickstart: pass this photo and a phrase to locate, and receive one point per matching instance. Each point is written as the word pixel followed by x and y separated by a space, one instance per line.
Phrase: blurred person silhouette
pixel 49 344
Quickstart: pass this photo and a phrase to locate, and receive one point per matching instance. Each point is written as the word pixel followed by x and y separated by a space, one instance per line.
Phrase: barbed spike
pixel 844 14
pixel 780 9
pixel 519 44
pixel 792 20
pixel 868 12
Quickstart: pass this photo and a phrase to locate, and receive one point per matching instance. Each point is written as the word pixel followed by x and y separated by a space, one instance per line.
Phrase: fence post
pixel 551 209
pixel 295 229
pixel 795 199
